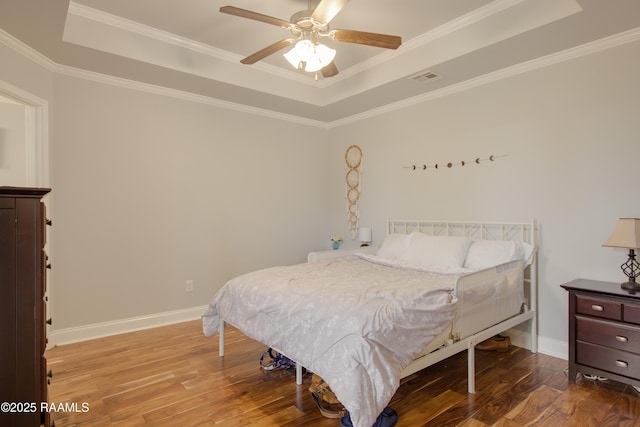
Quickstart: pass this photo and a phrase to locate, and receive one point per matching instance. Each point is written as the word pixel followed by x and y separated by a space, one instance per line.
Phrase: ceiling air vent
pixel 426 76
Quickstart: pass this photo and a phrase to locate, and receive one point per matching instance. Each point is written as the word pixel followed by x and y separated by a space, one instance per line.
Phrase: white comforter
pixel 355 322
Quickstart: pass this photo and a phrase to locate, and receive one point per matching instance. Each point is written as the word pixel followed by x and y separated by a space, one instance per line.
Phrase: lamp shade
pixel 626 234
pixel 364 234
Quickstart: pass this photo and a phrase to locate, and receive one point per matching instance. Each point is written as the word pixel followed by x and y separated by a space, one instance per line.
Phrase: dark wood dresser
pixel 604 331
pixel 23 262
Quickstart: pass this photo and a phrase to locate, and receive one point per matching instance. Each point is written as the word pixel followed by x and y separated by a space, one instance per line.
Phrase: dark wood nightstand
pixel 604 331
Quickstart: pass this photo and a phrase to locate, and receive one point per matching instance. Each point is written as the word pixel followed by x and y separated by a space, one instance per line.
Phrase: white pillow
pixel 426 250
pixel 489 253
pixel 393 246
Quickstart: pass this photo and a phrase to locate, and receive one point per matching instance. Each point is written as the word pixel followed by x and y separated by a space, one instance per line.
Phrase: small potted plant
pixel 335 241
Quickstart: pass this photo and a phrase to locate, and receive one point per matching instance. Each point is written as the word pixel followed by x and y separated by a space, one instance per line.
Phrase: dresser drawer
pixel 608 359
pixel 598 307
pixel 608 334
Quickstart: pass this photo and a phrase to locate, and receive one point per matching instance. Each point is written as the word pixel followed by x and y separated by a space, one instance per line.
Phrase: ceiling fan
pixel 308 27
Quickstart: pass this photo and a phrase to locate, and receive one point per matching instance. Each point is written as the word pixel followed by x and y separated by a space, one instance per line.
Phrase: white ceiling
pixel 189 46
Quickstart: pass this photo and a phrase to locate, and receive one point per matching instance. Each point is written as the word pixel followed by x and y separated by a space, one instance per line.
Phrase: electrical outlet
pixel 188 286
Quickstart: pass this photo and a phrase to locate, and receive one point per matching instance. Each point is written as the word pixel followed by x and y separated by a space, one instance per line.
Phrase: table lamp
pixel 364 234
pixel 627 235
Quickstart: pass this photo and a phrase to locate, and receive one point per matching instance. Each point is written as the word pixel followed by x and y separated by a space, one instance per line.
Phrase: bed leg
pixel 298 373
pixel 221 334
pixel 471 368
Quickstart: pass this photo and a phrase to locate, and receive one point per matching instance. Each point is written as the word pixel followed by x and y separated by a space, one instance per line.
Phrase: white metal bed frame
pixel 526 232
pixel 517 231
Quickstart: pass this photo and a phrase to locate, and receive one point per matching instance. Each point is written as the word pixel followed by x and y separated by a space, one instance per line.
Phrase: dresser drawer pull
pixel 621 338
pixel 596 307
pixel 621 363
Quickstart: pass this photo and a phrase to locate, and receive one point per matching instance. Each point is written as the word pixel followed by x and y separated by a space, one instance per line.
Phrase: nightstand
pixel 604 331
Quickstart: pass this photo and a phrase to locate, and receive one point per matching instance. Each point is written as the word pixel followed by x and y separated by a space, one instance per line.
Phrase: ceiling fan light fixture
pixel 309 56
pixel 292 57
pixel 305 50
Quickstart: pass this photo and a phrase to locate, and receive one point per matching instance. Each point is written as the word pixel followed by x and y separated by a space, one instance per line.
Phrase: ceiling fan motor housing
pixel 304 23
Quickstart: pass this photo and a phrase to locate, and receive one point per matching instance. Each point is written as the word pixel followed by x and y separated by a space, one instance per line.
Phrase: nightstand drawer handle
pixel 621 363
pixel 597 307
pixel 621 338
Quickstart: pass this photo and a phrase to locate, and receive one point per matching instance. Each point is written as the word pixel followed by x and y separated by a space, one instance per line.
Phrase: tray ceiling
pixel 189 46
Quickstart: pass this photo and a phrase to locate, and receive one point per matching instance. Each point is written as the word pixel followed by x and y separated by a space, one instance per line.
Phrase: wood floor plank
pixel 471 422
pixel 532 408
pixel 172 376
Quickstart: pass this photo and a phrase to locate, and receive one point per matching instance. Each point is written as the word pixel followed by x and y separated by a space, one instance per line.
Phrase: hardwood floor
pixel 172 376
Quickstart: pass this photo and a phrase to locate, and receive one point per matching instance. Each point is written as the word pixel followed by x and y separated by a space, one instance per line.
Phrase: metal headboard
pixel 518 231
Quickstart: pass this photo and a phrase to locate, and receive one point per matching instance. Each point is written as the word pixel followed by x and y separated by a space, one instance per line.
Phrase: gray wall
pixel 151 191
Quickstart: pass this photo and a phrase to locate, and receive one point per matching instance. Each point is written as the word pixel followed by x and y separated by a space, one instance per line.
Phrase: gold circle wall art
pixel 353 159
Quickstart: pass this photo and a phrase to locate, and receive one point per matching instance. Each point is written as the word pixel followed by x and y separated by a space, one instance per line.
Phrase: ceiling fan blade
pixel 329 70
pixel 327 10
pixel 371 39
pixel 269 50
pixel 243 13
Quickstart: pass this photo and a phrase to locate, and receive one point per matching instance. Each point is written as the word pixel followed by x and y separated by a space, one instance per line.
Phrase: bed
pixel 365 318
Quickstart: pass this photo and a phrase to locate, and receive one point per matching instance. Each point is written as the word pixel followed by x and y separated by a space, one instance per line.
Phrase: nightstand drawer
pixel 599 307
pixel 608 359
pixel 632 313
pixel 608 334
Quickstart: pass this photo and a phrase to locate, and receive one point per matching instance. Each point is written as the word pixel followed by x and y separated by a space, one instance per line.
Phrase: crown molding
pixel 545 61
pixel 41 60
pixel 186 96
pixel 470 18
pixel 150 32
pixel 535 64
pixel 146 31
pixel 26 51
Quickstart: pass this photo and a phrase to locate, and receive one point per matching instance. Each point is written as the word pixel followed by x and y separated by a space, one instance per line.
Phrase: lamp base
pixel 631 286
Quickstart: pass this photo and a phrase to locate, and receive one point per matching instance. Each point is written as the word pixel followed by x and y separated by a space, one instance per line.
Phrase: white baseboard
pixel 105 329
pixel 553 347
pixel 548 346
pixel 519 338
